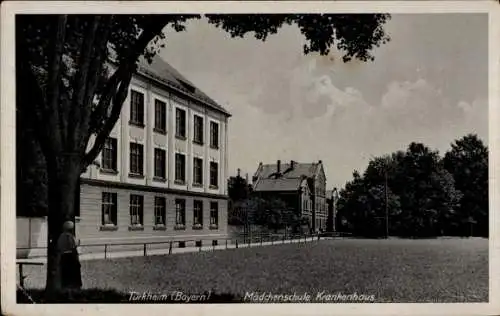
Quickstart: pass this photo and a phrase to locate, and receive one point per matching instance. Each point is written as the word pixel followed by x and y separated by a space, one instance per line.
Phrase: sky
pixel 428 84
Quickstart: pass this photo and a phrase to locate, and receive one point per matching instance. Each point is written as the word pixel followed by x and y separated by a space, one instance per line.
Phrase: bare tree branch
pixel 120 83
pixel 80 86
pixel 54 76
pixel 95 70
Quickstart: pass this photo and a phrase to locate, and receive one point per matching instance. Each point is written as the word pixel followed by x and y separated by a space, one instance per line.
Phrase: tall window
pixel 160 162
pixel 160 210
pixel 198 214
pixel 109 209
pixel 136 108
pixel 197 171
pixel 180 168
pixel 198 129
pixel 180 212
pixel 214 214
pixel 136 159
pixel 180 123
pixel 214 135
pixel 214 174
pixel 136 210
pixel 109 154
pixel 160 116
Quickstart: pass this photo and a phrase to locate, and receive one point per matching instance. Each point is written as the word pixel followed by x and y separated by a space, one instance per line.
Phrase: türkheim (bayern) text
pixel 174 296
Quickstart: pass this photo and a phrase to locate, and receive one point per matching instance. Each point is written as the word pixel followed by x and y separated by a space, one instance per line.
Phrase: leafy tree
pixel 467 161
pixel 72 91
pixel 429 192
pixel 363 206
pixel 238 188
pixel 421 195
pixel 31 184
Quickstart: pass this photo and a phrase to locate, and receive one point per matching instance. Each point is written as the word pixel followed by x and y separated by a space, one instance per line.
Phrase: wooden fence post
pixel 144 249
pixel 105 250
pixel 170 248
pixel 236 243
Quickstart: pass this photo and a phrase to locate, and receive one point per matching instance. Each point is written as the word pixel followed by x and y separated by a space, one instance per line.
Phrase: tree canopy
pixel 426 195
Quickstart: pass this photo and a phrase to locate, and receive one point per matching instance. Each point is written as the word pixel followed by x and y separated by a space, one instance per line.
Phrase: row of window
pixel 137 118
pixel 110 212
pixel 109 162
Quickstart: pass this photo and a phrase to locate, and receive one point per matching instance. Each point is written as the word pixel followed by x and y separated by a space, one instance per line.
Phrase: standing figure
pixel 71 278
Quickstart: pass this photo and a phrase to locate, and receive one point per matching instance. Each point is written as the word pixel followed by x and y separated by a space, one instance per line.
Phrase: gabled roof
pixel 165 74
pixel 278 184
pixel 289 180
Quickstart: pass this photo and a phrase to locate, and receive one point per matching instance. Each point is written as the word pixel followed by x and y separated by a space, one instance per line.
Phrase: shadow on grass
pixel 108 296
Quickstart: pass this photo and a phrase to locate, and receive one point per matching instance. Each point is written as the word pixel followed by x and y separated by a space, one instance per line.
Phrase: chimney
pixel 278 166
pixel 239 171
pixel 246 177
pixel 292 164
pixel 320 161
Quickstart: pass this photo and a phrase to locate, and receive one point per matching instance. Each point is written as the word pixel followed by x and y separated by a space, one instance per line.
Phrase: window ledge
pixel 135 228
pixel 159 179
pixel 214 227
pixel 159 227
pixel 180 227
pixel 180 182
pixel 198 185
pixel 179 137
pixel 136 176
pixel 214 147
pixel 160 131
pixel 214 187
pixel 108 228
pixel 108 171
pixel 198 142
pixel 198 227
pixel 137 124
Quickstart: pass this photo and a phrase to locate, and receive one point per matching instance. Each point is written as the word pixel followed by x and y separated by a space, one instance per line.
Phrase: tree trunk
pixel 63 175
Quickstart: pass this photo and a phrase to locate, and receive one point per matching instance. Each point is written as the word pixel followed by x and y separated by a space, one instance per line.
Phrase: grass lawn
pixel 395 270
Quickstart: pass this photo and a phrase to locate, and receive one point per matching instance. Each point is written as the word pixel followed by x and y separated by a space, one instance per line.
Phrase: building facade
pixel 161 174
pixel 302 186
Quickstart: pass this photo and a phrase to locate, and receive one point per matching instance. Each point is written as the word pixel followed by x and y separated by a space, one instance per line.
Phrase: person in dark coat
pixel 71 278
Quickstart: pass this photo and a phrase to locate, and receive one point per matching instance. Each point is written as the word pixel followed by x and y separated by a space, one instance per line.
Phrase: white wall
pixel 126 133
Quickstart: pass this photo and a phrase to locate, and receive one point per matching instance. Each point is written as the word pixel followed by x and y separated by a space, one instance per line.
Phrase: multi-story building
pixel 162 172
pixel 302 186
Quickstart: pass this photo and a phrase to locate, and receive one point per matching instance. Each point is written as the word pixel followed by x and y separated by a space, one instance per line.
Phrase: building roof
pixel 165 74
pixel 290 179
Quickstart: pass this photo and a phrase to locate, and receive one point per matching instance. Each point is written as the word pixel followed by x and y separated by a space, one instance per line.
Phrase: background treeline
pixel 248 210
pixel 427 195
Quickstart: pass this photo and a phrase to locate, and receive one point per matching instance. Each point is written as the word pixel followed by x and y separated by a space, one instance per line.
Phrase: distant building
pixel 300 185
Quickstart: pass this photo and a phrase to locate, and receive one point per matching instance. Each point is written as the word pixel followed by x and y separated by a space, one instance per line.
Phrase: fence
pixel 111 250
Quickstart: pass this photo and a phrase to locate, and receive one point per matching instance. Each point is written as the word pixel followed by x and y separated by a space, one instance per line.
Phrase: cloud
pixel 350 129
pixel 347 131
